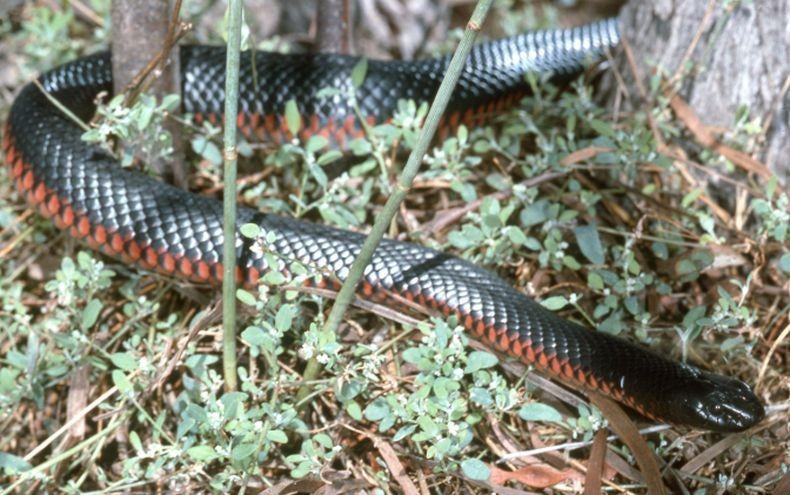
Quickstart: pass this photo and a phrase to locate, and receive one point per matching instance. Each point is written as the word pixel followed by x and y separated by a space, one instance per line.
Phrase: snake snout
pixel 719 403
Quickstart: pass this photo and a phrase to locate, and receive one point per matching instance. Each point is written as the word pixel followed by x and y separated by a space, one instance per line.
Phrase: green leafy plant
pixel 439 414
pixel 139 127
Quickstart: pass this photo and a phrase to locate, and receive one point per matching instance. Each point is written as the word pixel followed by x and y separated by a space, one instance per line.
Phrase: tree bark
pixel 732 56
pixel 333 26
pixel 140 33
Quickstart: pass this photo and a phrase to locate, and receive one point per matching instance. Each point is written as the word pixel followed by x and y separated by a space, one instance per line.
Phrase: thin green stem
pixel 346 295
pixel 229 201
pixel 60 106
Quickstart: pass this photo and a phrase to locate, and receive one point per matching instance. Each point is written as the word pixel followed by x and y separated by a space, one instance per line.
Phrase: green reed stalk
pixel 383 220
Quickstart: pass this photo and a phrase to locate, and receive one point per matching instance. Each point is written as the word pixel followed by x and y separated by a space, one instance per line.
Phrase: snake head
pixel 714 402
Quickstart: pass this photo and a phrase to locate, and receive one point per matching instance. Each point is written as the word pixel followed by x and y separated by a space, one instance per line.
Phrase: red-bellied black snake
pixel 129 215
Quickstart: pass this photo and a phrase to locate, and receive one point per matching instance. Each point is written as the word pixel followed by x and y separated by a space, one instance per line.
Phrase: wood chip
pixel 535 475
pixel 592 482
pixel 304 486
pixel 583 154
pixel 79 387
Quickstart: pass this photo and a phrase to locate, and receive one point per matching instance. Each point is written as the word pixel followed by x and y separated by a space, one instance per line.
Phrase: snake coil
pixel 132 216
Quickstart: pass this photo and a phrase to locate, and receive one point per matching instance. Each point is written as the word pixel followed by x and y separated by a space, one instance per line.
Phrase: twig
pixel 703 25
pixel 71 422
pixel 572 445
pixel 782 337
pixel 57 104
pixel 135 86
pixel 87 12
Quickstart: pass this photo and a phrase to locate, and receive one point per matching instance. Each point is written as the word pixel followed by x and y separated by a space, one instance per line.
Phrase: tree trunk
pixel 140 32
pixel 733 54
pixel 333 32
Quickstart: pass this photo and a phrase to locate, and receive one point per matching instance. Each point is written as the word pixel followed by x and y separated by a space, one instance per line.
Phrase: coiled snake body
pixel 132 216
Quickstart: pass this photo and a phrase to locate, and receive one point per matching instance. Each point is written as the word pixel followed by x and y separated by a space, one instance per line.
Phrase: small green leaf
pixel 302 470
pixel 319 175
pixel 770 188
pixel 459 240
pixel 555 303
pixel 590 243
pixel 349 389
pixel 11 464
pixel 412 355
pixel 516 236
pixel 134 439
pixel 536 213
pixel 732 343
pixel 784 263
pixel 329 157
pixel 693 315
pixel 207 149
pixel 202 453
pixel 571 262
pixel 242 451
pixel 277 436
pixel 602 127
pixel 195 412
pixel 353 410
pixel 631 304
pixel 463 134
pixel 91 313
pixel 442 387
pixel 539 412
pixel 613 325
pixel 284 318
pixel 250 230
pixel 377 410
pixel 481 396
pixel 690 197
pixel 479 360
pixel 685 267
pixel 274 278
pixel 404 432
pixel 660 249
pixel 428 425
pixel 254 336
pixel 170 102
pixel 292 118
pixel 475 469
pixel 122 382
pixel 780 232
pixel 233 403
pixel 245 297
pixel 532 244
pixel 595 281
pixel 324 440
pixel 315 143
pixel 361 147
pixel 124 361
pixel 144 117
pixel 359 72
